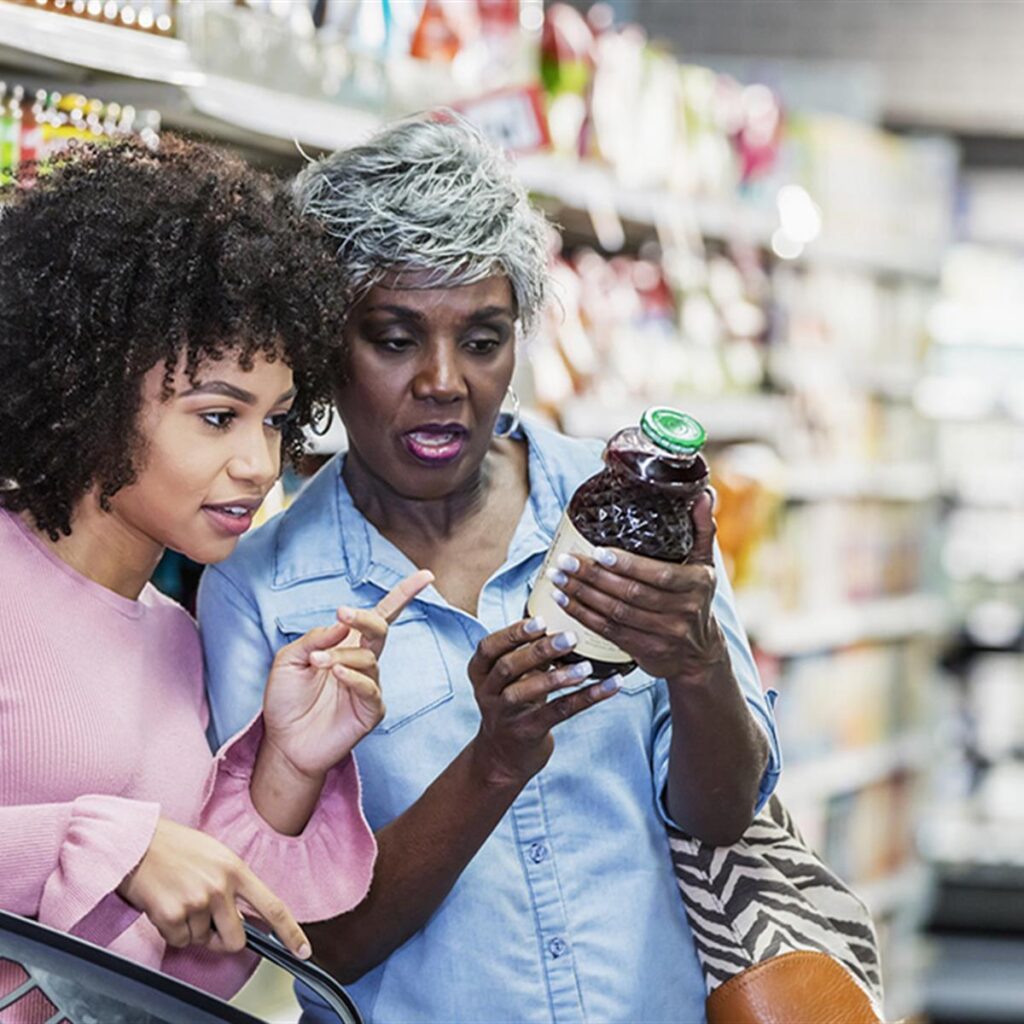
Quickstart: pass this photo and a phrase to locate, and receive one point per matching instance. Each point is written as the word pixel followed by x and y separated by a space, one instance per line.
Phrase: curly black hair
pixel 126 257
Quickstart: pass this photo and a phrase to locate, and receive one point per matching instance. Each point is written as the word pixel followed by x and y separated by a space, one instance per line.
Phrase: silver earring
pixel 321 423
pixel 507 423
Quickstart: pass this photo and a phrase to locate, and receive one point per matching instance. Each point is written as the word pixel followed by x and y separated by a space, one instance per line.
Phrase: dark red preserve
pixel 639 502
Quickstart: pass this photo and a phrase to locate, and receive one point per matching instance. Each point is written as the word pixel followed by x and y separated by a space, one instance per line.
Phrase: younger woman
pixel 164 323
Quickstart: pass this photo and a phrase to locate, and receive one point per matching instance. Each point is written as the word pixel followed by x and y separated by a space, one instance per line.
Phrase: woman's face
pixel 427 372
pixel 211 452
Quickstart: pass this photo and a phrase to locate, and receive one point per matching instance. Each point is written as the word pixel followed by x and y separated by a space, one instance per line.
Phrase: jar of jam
pixel 639 502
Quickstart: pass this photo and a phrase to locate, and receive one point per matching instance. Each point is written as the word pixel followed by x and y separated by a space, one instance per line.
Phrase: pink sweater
pixel 102 731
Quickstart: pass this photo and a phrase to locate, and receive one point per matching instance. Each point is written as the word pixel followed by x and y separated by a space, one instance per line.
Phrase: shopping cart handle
pixel 270 947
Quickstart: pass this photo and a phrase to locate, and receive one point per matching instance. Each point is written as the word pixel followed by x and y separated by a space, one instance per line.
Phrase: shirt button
pixel 538 852
pixel 557 948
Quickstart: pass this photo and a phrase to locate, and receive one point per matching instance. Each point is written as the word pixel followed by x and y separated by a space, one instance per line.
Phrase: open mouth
pixel 232 519
pixel 436 443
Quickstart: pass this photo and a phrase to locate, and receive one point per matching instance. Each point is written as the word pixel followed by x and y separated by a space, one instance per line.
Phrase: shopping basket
pixel 86 984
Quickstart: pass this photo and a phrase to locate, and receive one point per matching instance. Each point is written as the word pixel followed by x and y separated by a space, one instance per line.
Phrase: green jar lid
pixel 673 430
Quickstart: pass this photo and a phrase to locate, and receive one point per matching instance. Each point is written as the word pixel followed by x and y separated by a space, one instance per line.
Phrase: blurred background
pixel 800 221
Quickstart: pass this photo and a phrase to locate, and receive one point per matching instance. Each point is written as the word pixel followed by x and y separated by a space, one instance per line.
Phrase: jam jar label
pixel 568 540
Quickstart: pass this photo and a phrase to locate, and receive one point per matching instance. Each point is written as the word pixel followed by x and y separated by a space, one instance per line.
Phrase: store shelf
pixel 727 418
pixel 907 481
pixel 879 619
pixel 80 43
pixel 844 771
pixel 907 888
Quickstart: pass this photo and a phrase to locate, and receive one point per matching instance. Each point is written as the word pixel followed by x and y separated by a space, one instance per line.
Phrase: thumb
pixel 703 551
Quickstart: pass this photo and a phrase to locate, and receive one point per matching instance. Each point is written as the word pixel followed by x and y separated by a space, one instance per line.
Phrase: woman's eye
pixel 482 346
pixel 394 343
pixel 218 420
pixel 279 420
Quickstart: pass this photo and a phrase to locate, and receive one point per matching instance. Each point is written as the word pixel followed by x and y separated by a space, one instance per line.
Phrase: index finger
pixel 274 911
pixel 392 603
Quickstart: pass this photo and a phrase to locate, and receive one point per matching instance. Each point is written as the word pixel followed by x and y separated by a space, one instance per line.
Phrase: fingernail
pixel 346 614
pixel 611 684
pixel 568 562
pixel 320 658
pixel 535 625
pixel 562 600
pixel 604 556
pixel 557 577
pixel 564 641
pixel 305 951
pixel 579 671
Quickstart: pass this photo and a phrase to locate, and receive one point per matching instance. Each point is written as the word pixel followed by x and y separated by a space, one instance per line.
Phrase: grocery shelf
pixel 725 418
pixel 80 43
pixel 878 619
pixel 905 481
pixel 907 887
pixel 818 778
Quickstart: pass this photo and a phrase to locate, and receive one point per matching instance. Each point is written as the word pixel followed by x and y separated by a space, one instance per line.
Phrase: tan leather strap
pixel 801 987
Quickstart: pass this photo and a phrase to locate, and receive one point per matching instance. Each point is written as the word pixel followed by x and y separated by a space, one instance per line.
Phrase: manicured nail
pixel 564 641
pixel 574 673
pixel 305 951
pixel 535 625
pixel 568 562
pixel 604 556
pixel 346 614
pixel 557 577
pixel 611 684
pixel 562 600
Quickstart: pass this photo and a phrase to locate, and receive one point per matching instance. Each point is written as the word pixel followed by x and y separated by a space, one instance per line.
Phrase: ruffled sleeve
pixel 322 872
pixel 61 863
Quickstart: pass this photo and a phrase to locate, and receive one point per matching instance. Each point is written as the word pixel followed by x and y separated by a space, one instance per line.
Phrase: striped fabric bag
pixel 781 939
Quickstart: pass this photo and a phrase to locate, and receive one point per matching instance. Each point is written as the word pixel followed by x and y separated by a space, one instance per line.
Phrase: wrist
pixel 283 794
pixel 703 666
pixel 493 772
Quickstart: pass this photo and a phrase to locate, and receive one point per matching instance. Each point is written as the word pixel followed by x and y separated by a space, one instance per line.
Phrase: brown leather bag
pixel 781 939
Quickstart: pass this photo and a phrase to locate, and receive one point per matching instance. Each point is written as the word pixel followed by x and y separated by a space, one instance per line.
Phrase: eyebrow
pixel 487 313
pixel 222 387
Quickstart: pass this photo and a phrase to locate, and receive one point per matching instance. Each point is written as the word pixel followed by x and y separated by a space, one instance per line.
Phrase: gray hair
pixel 434 199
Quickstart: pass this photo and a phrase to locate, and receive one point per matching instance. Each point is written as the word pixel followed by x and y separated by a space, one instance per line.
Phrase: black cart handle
pixel 269 946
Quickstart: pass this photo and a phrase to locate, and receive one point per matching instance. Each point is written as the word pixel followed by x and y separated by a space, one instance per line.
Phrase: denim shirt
pixel 569 912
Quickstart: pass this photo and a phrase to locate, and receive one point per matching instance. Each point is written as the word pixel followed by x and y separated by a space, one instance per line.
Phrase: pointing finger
pixel 392 603
pixel 704 529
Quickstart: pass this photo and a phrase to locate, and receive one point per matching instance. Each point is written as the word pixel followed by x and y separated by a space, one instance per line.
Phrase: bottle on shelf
pixel 640 502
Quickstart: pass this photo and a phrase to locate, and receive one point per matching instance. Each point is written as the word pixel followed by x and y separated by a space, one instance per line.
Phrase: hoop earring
pixel 321 424
pixel 507 423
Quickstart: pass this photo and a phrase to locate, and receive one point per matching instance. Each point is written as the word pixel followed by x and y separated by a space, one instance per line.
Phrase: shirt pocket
pixel 414 677
pixel 636 682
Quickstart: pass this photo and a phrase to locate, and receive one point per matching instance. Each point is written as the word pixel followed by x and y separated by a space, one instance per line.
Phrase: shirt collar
pixel 348 544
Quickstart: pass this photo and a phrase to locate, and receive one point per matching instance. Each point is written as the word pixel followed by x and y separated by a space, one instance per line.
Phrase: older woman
pixel 519 877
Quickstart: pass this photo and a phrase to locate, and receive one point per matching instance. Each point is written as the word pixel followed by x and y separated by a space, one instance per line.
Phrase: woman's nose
pixel 259 461
pixel 439 377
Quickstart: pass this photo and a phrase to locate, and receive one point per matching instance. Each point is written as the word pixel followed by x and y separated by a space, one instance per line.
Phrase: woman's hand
pixel 188 884
pixel 322 694
pixel 512 684
pixel 659 613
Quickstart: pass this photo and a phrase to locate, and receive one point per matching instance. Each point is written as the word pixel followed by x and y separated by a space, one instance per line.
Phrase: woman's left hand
pixel 322 694
pixel 659 613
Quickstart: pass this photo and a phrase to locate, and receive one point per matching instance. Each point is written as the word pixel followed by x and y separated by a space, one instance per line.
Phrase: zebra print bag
pixel 768 895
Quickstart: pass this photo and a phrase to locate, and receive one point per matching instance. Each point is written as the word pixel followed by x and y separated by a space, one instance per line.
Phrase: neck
pixel 430 518
pixel 105 549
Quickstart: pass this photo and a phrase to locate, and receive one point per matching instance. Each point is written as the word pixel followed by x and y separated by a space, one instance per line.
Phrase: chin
pixel 207 552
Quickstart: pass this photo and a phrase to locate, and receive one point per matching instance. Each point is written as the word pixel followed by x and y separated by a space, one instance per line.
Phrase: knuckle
pixel 503 672
pixel 634 590
pixel 664 576
pixel 620 612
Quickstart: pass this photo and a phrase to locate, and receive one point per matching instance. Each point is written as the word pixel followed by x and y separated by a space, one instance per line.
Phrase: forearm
pixel 718 753
pixel 284 797
pixel 420 857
